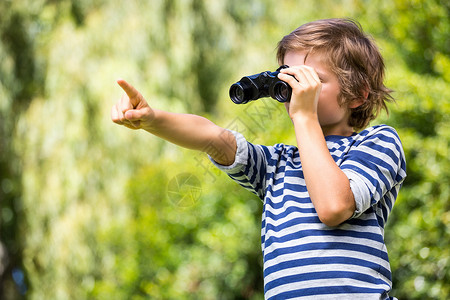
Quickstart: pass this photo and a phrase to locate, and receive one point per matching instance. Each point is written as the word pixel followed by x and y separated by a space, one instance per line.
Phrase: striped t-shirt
pixel 304 258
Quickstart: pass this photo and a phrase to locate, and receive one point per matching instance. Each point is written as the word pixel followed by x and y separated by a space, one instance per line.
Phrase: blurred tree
pixel 420 30
pixel 417 234
pixel 197 39
pixel 21 79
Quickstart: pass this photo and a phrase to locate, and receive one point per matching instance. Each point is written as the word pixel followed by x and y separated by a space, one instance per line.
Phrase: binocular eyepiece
pixel 261 85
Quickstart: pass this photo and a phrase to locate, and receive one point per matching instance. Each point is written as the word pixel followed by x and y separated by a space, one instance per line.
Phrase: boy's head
pixel 352 56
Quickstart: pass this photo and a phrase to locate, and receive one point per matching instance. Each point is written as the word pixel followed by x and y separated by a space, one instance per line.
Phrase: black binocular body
pixel 265 84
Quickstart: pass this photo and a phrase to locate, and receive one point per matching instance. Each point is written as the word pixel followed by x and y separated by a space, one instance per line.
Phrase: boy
pixel 327 200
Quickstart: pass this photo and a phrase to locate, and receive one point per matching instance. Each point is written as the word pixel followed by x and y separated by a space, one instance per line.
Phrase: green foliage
pixel 423 41
pixel 90 210
pixel 418 231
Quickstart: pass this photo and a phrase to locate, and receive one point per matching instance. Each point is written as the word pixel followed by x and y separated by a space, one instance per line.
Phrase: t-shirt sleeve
pixel 249 166
pixel 376 166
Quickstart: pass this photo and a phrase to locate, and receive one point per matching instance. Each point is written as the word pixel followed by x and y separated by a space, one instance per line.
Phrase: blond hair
pixel 352 56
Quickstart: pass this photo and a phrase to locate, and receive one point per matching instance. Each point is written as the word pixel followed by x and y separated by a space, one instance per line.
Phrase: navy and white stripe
pixel 303 258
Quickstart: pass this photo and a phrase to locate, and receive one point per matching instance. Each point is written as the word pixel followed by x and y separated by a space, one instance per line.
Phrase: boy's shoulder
pixel 384 132
pixel 379 139
pixel 377 129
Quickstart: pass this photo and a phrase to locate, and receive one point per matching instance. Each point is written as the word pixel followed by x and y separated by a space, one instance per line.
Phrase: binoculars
pixel 265 84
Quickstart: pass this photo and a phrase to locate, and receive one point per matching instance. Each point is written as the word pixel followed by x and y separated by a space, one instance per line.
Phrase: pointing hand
pixel 132 110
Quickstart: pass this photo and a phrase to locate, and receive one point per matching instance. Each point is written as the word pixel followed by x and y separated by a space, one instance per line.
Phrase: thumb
pixel 134 118
pixel 144 114
pixel 133 115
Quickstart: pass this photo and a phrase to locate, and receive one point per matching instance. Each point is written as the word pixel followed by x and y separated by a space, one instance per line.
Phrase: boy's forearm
pixel 181 129
pixel 328 186
pixel 196 133
pixel 189 131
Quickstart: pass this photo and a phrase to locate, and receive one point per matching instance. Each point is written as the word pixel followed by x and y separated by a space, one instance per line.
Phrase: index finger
pixel 313 72
pixel 128 88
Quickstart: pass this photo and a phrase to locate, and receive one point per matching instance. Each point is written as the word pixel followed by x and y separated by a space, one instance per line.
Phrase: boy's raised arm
pixel 188 131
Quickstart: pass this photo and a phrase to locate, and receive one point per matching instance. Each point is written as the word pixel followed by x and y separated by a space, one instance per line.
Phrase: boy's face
pixel 333 118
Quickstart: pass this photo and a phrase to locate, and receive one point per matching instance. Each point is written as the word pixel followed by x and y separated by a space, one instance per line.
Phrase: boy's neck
pixel 332 130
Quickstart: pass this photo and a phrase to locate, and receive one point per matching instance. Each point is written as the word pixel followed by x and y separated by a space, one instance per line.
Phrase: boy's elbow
pixel 331 220
pixel 335 215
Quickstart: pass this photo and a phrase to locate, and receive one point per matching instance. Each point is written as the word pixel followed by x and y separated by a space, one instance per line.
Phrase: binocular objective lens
pixel 237 94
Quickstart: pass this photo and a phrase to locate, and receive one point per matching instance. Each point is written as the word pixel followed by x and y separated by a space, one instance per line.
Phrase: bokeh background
pixel 92 210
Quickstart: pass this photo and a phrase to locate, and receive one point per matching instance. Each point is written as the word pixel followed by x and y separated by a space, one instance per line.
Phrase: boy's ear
pixel 359 102
pixel 356 103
